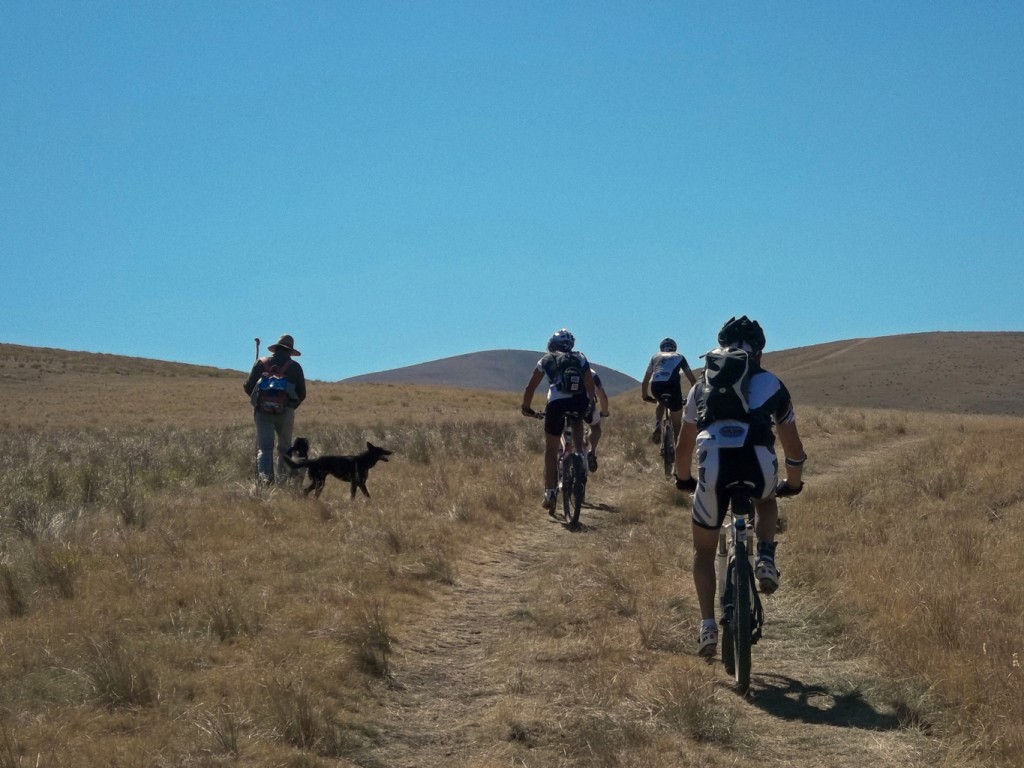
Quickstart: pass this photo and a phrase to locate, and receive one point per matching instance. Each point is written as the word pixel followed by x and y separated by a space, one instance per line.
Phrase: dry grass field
pixel 159 609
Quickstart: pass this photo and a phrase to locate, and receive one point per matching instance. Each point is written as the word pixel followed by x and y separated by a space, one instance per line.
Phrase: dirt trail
pixel 785 371
pixel 809 703
pixel 443 684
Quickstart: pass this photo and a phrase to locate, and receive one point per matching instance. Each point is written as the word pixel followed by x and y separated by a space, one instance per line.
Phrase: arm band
pixel 796 462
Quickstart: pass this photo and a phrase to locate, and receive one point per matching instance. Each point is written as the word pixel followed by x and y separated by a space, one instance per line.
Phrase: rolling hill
pixel 505 370
pixel 956 373
pixel 962 372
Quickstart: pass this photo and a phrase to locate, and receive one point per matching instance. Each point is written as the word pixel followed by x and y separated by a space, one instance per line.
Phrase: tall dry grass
pixel 916 554
pixel 159 608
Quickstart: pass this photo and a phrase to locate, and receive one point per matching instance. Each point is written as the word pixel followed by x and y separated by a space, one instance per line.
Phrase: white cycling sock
pixel 708 623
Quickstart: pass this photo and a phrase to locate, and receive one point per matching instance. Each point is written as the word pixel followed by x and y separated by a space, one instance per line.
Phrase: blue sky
pixel 397 182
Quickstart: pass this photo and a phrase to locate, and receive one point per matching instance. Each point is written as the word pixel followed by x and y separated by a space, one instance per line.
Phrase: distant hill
pixel 505 370
pixel 950 372
pixel 955 373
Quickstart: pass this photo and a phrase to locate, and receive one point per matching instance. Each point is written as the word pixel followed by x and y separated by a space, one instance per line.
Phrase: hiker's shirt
pixel 293 373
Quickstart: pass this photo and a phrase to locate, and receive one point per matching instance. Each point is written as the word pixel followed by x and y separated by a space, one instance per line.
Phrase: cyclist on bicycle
pixel 664 377
pixel 737 449
pixel 597 412
pixel 570 390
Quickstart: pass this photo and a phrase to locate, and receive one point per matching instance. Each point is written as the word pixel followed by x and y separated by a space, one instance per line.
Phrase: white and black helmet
pixel 561 341
pixel 668 345
pixel 742 330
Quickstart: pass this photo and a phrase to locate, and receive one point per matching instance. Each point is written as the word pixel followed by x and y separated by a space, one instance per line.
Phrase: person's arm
pixel 793 447
pixel 300 385
pixel 588 384
pixel 254 376
pixel 645 385
pixel 685 444
pixel 689 374
pixel 531 388
pixel 602 400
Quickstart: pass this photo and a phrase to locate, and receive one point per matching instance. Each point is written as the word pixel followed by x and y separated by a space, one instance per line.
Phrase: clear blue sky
pixel 397 182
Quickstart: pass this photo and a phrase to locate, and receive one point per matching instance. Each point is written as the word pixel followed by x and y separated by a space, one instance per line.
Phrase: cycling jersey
pixel 666 366
pixel 729 449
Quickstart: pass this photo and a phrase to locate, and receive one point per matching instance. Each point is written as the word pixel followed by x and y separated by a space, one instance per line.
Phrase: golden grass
pixel 157 608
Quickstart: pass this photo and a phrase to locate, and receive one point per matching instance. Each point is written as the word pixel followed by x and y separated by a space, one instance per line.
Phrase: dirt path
pixel 811 704
pixel 785 371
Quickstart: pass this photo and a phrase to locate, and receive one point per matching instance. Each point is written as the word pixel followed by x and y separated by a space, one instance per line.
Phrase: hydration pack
pixel 570 373
pixel 271 393
pixel 725 386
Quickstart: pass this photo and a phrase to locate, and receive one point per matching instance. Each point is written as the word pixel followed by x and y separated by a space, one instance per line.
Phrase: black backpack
pixel 725 386
pixel 570 373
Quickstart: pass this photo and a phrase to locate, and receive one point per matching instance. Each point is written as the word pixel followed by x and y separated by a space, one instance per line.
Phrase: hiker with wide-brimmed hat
pixel 276 387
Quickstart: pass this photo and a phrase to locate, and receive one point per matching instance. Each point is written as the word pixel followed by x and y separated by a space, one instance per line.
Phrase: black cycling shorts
pixel 555 410
pixel 672 389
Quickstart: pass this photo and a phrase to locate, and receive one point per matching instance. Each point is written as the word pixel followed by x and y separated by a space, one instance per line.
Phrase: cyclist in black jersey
pixel 737 449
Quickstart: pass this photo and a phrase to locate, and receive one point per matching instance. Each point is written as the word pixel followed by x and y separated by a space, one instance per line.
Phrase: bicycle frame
pixel 668 437
pixel 572 472
pixel 742 615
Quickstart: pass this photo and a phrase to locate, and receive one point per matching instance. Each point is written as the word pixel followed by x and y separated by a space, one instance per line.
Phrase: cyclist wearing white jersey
pixel 664 377
pixel 570 390
pixel 731 449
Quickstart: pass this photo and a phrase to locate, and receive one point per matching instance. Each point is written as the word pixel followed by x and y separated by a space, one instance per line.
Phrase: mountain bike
pixel 742 613
pixel 572 471
pixel 668 434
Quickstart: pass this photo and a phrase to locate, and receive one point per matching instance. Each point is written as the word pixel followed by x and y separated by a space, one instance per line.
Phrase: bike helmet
pixel 742 330
pixel 668 345
pixel 561 341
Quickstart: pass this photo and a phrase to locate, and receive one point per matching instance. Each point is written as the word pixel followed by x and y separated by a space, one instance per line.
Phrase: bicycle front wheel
pixel 742 631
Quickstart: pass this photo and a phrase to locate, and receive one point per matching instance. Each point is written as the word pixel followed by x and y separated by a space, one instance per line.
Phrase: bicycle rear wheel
pixel 742 631
pixel 568 481
pixel 579 488
pixel 668 447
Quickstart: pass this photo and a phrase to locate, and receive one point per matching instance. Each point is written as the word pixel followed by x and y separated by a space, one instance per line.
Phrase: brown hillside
pixel 981 373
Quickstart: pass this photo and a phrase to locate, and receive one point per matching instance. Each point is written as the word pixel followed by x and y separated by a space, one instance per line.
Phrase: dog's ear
pixel 369 445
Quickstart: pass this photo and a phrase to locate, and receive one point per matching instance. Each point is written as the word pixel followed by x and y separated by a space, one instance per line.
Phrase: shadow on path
pixel 791 699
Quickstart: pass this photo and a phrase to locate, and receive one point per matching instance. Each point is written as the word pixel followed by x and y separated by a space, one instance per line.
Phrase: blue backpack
pixel 271 393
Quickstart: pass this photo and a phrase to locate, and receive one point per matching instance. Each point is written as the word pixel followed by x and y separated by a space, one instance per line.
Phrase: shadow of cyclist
pixel 791 699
